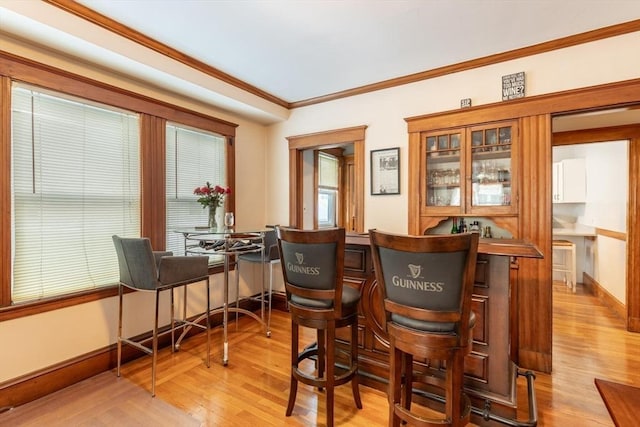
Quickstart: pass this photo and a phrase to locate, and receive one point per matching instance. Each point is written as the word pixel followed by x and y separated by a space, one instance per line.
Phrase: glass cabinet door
pixel 491 165
pixel 443 171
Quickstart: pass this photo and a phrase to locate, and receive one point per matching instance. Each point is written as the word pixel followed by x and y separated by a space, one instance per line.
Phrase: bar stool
pixel 270 257
pixel 564 261
pixel 426 284
pixel 145 270
pixel 313 267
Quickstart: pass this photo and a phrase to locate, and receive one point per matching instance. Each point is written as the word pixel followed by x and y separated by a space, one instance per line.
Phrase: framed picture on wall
pixel 385 171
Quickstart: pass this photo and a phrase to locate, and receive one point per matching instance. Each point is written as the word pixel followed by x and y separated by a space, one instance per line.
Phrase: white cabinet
pixel 569 181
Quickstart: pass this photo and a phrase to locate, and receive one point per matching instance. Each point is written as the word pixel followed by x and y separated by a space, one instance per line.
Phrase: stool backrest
pixel 137 263
pixel 313 265
pixel 271 245
pixel 426 281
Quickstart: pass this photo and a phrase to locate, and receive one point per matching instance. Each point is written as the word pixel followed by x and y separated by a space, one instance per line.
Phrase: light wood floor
pixel 589 341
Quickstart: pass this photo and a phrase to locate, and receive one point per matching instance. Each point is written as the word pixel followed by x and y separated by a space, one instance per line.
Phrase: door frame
pixel 322 140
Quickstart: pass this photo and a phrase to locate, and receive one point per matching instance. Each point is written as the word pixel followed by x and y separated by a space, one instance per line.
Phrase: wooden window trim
pixel 154 115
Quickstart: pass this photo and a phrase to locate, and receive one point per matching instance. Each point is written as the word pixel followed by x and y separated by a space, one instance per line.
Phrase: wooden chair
pixel 312 267
pixel 426 284
pixel 143 269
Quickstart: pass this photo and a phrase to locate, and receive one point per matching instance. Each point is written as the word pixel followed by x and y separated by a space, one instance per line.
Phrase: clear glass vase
pixel 213 223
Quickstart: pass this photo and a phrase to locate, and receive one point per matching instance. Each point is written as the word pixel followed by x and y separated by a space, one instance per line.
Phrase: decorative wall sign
pixel 385 171
pixel 465 103
pixel 513 86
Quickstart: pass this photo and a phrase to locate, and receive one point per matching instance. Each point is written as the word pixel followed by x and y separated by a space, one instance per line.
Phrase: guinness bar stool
pixel 312 266
pixel 426 284
pixel 564 261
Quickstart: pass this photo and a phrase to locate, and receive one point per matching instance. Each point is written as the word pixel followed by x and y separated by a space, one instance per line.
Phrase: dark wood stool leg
pixel 293 388
pixel 455 382
pixel 322 349
pixel 354 362
pixel 407 391
pixel 330 378
pixel 395 384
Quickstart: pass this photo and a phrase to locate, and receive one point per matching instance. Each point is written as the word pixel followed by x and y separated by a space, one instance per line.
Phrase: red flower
pixel 211 196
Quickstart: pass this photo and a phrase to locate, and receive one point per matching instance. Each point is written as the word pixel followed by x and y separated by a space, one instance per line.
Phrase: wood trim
pixel 327 139
pixel 230 153
pixel 295 188
pixel 152 174
pixel 359 165
pixel 633 238
pixel 612 234
pixel 416 187
pixel 589 36
pixel 129 33
pixel 534 276
pixel 5 190
pixel 55 303
pixel 315 188
pixel 323 140
pixel 603 295
pixel 613 133
pixel 33 386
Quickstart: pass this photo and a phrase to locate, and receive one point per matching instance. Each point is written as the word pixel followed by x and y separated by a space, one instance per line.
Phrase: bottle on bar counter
pixel 454 227
pixel 462 228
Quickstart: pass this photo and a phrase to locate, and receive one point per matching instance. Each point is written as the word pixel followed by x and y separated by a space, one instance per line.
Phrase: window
pixel 328 178
pixel 193 158
pixel 75 183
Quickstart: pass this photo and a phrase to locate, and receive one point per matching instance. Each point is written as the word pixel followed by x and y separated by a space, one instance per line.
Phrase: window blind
pixel 193 158
pixel 75 183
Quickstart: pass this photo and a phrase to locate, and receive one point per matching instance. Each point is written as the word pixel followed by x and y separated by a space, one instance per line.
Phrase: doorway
pixel 351 138
pixel 603 139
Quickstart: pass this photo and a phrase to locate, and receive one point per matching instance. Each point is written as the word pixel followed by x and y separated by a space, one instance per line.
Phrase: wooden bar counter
pixel 491 368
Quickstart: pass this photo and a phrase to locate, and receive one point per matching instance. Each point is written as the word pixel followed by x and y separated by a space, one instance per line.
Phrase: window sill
pixel 55 303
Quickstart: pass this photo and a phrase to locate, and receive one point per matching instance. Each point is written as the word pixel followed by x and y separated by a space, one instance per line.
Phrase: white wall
pixel 262 187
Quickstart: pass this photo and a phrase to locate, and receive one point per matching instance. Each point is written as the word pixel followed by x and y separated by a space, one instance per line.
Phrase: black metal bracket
pixel 486 414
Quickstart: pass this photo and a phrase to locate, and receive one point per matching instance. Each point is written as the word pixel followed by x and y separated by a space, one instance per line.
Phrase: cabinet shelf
pixel 491 155
pixel 434 157
pixel 443 186
pixel 503 183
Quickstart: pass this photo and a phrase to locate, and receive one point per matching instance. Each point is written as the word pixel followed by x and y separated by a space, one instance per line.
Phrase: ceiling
pixel 297 50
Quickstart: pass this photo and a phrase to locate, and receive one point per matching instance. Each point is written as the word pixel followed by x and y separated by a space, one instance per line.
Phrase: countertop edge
pixel 507 247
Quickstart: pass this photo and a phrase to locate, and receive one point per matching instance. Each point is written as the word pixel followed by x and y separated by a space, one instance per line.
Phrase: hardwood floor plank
pixel 589 342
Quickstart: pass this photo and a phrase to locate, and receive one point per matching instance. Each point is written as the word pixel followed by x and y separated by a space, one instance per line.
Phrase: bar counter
pixel 491 368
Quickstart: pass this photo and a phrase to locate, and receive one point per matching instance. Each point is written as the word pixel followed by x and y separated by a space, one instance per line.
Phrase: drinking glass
pixel 228 219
